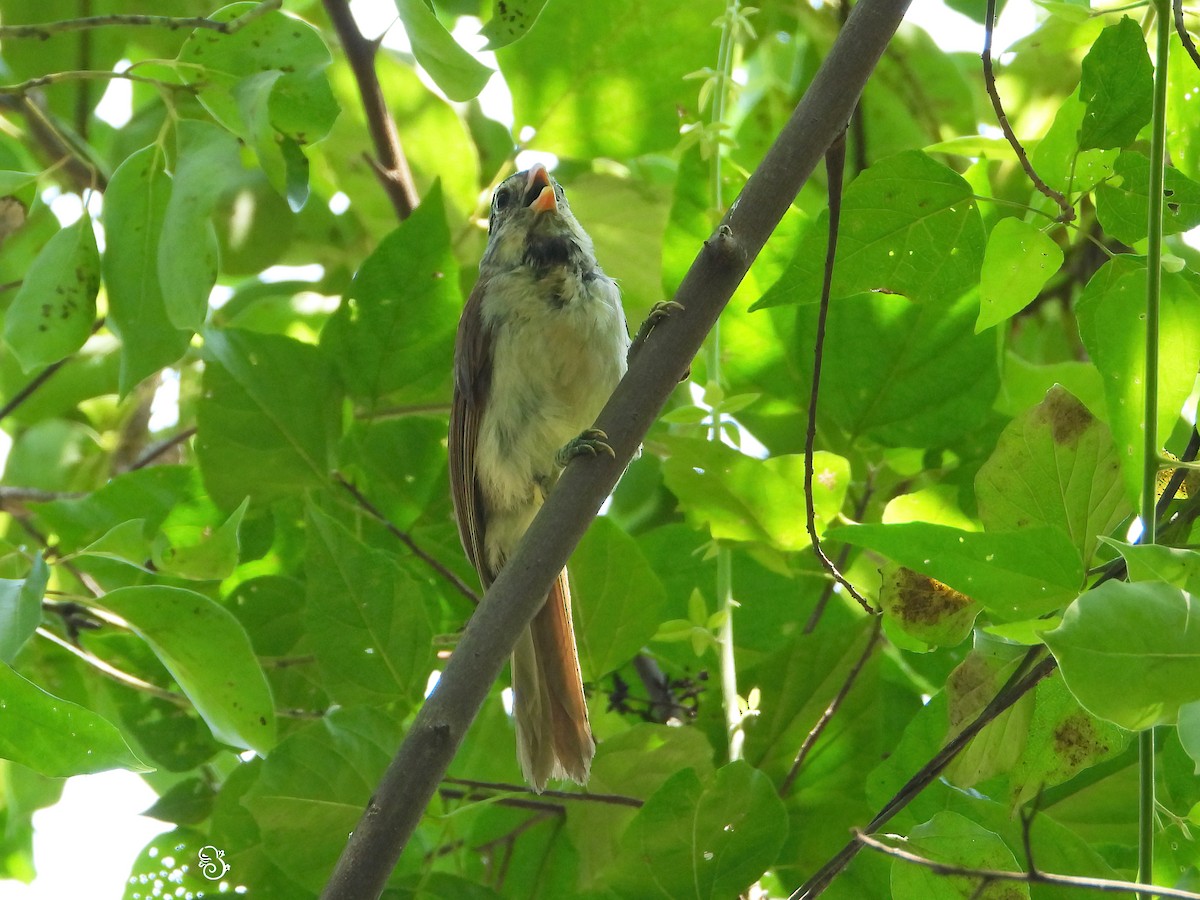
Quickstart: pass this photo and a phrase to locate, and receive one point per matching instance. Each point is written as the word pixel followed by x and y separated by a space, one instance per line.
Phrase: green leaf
pixel 268 420
pixel 135 209
pixel 21 608
pixel 1122 202
pixel 909 226
pixel 705 839
pixel 209 164
pixel 316 783
pixel 1062 741
pixel 928 381
pixel 600 79
pixel 52 315
pixel 208 653
pixel 954 839
pixel 618 599
pixel 741 498
pixel 55 737
pixel 1154 562
pixel 1015 574
pixel 1057 158
pixel 192 549
pixel 908 260
pixel 451 67
pixel 1055 465
pixel 925 608
pixel 368 621
pixel 1111 315
pixel 401 313
pixel 1019 260
pixel 510 20
pixel 1189 731
pixel 632 763
pixel 106 515
pixel 1147 631
pixel 275 42
pixel 177 860
pixel 1183 133
pixel 1117 87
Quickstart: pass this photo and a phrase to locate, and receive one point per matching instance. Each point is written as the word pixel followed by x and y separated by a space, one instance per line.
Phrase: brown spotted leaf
pixel 925 608
pixel 1054 465
pixel 1063 740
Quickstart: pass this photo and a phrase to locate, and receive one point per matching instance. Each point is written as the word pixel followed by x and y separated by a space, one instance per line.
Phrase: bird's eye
pixel 504 198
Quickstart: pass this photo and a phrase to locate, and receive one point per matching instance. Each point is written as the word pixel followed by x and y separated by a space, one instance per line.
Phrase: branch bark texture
pixel 395 810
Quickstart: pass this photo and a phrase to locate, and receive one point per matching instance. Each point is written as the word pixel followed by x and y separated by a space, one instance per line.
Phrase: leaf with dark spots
pixel 925 608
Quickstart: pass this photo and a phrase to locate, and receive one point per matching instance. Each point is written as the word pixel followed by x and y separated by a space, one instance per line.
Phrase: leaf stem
pixel 725 602
pixel 1158 132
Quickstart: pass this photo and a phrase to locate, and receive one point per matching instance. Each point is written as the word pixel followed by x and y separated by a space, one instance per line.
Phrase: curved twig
pixel 1188 44
pixel 989 78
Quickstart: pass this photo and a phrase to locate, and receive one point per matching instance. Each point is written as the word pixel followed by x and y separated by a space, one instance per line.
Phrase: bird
pixel 541 344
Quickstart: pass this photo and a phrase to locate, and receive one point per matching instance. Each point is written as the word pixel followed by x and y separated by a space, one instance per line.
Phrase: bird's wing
pixel 472 376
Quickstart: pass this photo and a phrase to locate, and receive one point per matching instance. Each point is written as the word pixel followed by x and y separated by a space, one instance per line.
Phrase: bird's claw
pixel 590 443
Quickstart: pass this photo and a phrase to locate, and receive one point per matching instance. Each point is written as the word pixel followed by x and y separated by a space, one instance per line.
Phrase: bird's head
pixel 531 224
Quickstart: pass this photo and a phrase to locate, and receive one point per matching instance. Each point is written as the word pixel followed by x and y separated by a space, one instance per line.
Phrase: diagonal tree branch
pixel 395 810
pixel 392 165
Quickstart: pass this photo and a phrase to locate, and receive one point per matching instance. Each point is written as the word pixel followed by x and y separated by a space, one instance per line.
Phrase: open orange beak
pixel 539 192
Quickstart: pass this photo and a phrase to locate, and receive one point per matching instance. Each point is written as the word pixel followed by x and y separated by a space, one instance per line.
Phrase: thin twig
pixel 843 555
pixel 811 738
pixel 610 799
pixel 171 23
pixel 1105 885
pixel 405 538
pixel 835 163
pixel 989 78
pixel 116 674
pixel 392 166
pixel 24 87
pixel 34 495
pixel 154 451
pixel 1184 37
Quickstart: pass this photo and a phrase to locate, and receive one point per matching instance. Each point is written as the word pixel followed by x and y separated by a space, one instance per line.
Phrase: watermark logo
pixel 212 862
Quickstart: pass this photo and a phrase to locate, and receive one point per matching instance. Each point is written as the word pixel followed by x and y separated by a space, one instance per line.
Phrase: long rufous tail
pixel 554 739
